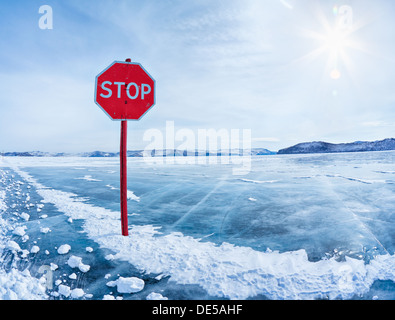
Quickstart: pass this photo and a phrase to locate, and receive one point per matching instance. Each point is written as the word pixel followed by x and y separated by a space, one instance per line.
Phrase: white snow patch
pixel 87 178
pixel 258 181
pixel 132 196
pixel 3 206
pixel 17 285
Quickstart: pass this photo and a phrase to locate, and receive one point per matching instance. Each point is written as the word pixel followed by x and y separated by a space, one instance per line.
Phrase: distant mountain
pixel 325 147
pixel 95 154
pixel 140 153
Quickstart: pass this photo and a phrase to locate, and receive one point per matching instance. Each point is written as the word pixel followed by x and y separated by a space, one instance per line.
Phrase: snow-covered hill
pixel 325 147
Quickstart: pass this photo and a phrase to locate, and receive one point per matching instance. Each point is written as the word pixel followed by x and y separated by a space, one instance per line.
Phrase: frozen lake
pixel 294 227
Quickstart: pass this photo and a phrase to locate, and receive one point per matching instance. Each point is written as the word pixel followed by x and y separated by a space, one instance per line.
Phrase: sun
pixel 335 41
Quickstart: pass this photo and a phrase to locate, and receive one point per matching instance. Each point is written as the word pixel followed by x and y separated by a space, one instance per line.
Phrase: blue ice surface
pixel 328 204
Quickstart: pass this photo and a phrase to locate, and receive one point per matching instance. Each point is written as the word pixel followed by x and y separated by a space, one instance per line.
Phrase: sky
pixel 289 71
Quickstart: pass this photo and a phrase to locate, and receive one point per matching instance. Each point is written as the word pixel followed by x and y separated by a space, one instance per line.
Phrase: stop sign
pixel 125 91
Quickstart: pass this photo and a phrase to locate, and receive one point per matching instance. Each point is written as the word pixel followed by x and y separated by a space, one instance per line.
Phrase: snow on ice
pixel 220 268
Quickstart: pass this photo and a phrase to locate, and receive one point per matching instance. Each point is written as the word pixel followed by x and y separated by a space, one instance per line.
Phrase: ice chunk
pixel 73 276
pixel 19 231
pixel 84 267
pixel 64 290
pixel 111 283
pixel 64 248
pixel 156 296
pixel 35 249
pixel 75 262
pixel 129 285
pixel 25 216
pixel 77 293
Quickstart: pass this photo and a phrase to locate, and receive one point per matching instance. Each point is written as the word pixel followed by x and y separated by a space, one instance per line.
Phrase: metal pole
pixel 123 171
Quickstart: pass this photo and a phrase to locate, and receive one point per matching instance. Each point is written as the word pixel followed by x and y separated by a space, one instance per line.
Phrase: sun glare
pixel 335 41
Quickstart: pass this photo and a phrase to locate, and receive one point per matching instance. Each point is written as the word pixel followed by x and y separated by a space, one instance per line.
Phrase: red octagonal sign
pixel 125 91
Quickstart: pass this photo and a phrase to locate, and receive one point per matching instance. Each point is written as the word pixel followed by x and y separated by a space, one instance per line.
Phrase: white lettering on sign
pixel 137 91
pixel 107 89
pixel 145 89
pixel 119 84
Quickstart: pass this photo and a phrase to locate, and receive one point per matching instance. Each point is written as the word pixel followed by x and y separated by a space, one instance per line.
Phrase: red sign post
pixel 124 91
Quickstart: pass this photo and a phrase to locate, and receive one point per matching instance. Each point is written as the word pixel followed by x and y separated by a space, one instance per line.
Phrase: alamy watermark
pixel 206 146
pixel 48 275
pixel 344 17
pixel 46 19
